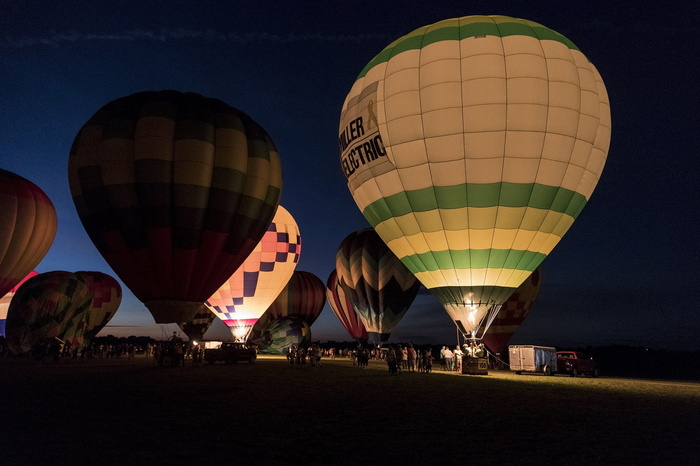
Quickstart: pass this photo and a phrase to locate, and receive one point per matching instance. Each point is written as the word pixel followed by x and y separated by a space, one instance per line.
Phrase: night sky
pixel 625 273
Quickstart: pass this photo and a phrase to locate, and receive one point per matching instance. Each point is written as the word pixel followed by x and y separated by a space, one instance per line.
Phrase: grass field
pixel 131 413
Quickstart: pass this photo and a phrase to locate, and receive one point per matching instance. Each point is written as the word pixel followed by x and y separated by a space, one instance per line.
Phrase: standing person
pixel 391 360
pixel 449 359
pixel 399 358
pixel 411 358
pixel 319 355
pixel 443 363
pixel 428 360
pixel 458 359
pixel 157 353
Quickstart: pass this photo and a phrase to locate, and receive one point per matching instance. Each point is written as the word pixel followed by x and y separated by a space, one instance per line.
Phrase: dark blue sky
pixel 626 271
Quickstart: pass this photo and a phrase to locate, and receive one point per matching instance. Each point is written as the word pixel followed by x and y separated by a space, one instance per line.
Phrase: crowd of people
pixel 299 355
pixel 177 352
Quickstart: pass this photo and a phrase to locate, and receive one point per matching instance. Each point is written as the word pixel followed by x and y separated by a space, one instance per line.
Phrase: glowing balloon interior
pixel 471 145
pixel 247 294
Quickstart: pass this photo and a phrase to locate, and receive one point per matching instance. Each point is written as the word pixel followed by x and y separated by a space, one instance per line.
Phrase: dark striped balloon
pixel 343 309
pixel 379 286
pixel 175 190
pixel 303 297
pixel 200 323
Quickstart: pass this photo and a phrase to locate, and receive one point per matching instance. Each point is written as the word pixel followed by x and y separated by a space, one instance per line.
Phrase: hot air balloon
pixel 27 228
pixel 5 300
pixel 343 309
pixel 106 298
pixel 471 145
pixel 304 297
pixel 284 332
pixel 175 190
pixel 378 285
pixel 200 323
pixel 43 308
pixel 513 313
pixel 247 294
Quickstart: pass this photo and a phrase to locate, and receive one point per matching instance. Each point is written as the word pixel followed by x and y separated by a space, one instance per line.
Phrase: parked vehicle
pixel 575 363
pixel 230 353
pixel 530 358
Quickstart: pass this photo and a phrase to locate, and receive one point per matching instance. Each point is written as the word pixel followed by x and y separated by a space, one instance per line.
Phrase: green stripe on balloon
pixel 473 259
pixel 488 27
pixel 552 198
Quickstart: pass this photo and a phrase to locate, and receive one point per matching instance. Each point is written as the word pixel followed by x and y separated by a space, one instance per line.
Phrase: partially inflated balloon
pixel 5 300
pixel 343 308
pixel 247 294
pixel 303 297
pixel 106 298
pixel 378 285
pixel 200 323
pixel 27 228
pixel 44 306
pixel 512 313
pixel 282 333
pixel 175 190
pixel 471 145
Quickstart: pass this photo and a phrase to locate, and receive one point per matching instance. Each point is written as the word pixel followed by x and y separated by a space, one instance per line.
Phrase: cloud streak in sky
pixel 56 39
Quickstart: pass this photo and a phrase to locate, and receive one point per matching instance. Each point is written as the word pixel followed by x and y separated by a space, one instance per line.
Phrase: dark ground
pixel 120 412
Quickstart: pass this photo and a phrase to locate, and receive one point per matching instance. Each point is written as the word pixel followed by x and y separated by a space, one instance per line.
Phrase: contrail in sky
pixel 56 39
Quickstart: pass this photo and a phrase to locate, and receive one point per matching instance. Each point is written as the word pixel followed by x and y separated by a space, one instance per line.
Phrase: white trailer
pixel 530 358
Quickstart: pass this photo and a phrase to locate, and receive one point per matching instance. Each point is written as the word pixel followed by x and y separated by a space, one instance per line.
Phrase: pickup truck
pixel 575 363
pixel 230 353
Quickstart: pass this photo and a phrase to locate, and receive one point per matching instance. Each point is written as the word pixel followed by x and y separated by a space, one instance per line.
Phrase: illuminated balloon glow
pixel 471 145
pixel 512 313
pixel 343 309
pixel 247 294
pixel 175 190
pixel 379 286
pixel 27 228
pixel 48 305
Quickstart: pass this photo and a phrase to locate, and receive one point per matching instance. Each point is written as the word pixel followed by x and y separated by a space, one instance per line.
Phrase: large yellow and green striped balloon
pixel 471 145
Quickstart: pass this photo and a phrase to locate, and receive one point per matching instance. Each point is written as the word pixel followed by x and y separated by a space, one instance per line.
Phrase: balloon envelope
pixel 175 190
pixel 5 300
pixel 471 145
pixel 304 297
pixel 512 313
pixel 106 298
pixel 343 308
pixel 48 305
pixel 247 294
pixel 379 286
pixel 200 323
pixel 284 332
pixel 27 228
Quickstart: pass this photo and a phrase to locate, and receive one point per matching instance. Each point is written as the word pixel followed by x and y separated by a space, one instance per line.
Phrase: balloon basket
pixel 475 366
